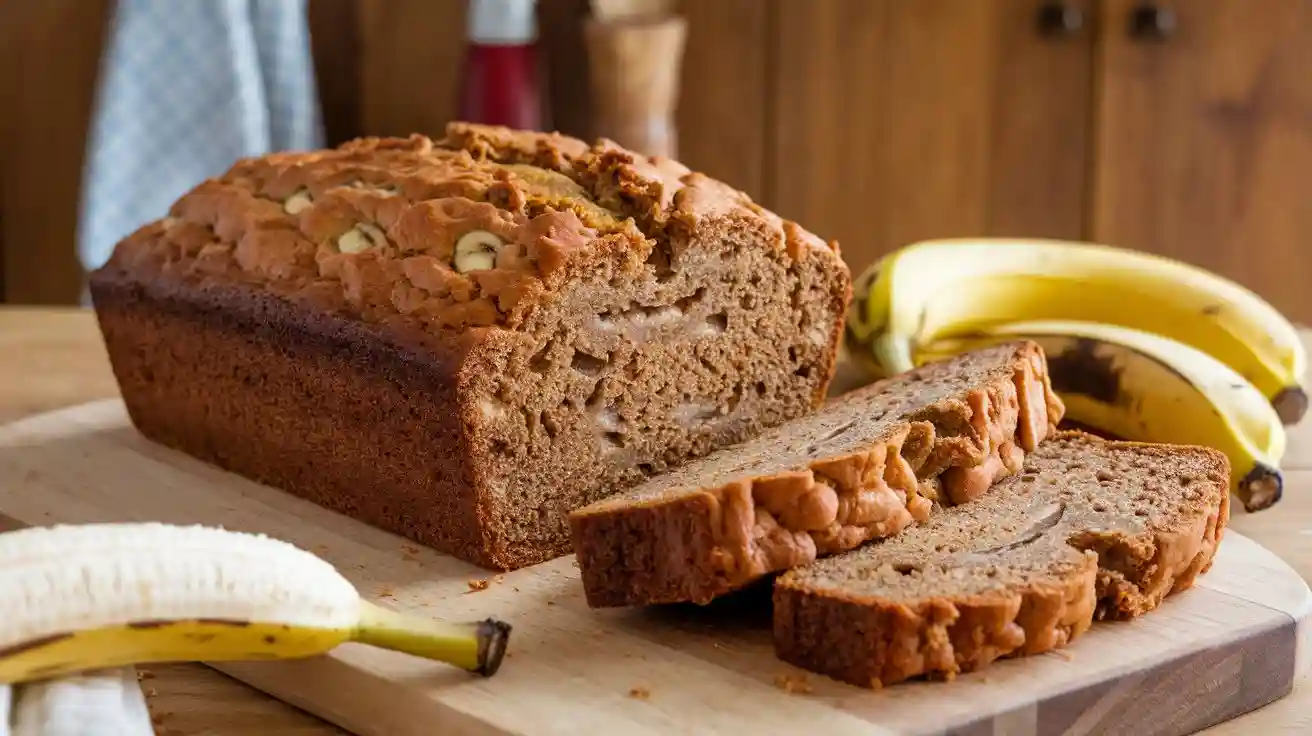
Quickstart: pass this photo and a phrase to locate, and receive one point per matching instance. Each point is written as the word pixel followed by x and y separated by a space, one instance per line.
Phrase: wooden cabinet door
pixel 49 58
pixel 898 120
pixel 1204 141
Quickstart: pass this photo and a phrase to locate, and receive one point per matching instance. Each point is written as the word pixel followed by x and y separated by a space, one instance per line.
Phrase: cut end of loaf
pixel 625 376
pixel 1091 529
pixel 865 466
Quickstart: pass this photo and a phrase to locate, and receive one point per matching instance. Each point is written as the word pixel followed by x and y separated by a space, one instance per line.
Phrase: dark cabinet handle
pixel 1152 22
pixel 1059 19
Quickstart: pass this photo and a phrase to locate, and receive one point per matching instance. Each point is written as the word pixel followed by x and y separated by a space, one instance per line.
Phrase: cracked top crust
pixel 378 226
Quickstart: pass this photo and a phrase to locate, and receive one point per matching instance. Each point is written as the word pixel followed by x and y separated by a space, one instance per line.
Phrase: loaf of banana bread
pixel 866 466
pixel 1090 529
pixel 462 340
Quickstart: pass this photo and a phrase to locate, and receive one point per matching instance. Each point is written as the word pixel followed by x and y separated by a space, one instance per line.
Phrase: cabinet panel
pixel 49 61
pixel 411 56
pixel 1040 138
pixel 897 121
pixel 1204 141
pixel 723 91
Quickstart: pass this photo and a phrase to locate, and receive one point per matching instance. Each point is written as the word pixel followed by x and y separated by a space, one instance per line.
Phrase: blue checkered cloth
pixel 185 89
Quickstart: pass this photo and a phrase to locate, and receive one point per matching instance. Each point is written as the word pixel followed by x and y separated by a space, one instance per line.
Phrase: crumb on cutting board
pixel 386 592
pixel 1063 654
pixel 144 675
pixel 477 584
pixel 793 683
pixel 639 693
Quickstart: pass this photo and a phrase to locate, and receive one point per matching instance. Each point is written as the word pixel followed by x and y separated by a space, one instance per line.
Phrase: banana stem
pixel 476 646
pixel 1261 488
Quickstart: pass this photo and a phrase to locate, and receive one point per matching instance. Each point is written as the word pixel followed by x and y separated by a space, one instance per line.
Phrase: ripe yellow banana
pixel 75 598
pixel 1140 386
pixel 945 288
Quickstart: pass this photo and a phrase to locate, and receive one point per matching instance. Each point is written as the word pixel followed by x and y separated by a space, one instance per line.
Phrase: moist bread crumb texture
pixel 462 340
pixel 865 466
pixel 1091 529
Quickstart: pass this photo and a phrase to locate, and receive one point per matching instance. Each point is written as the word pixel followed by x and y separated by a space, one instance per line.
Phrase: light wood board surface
pixel 50 358
pixel 1229 646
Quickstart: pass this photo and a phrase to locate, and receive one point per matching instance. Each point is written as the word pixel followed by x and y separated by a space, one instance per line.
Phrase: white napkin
pixel 100 703
pixel 185 89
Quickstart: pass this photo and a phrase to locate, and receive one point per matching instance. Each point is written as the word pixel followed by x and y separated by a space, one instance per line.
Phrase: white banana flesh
pixel 952 288
pixel 75 598
pixel 98 703
pixel 1141 386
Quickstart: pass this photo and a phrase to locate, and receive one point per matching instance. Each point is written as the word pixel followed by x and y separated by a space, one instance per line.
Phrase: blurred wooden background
pixel 1182 127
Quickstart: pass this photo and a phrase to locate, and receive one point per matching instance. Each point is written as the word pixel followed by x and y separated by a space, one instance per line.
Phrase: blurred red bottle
pixel 501 83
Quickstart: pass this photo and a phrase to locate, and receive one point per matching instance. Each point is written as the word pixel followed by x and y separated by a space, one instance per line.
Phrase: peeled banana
pixel 948 288
pixel 1140 386
pixel 93 596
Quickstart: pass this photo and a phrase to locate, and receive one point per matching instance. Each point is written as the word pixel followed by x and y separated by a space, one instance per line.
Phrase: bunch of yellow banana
pixel 1139 346
pixel 101 596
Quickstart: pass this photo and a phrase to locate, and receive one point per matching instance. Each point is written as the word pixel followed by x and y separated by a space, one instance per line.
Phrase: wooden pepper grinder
pixel 634 62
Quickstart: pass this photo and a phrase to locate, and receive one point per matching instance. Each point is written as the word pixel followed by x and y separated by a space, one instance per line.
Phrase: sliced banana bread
pixel 1091 529
pixel 865 466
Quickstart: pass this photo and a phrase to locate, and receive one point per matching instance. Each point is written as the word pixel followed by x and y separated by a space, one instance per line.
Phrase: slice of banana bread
pixel 462 340
pixel 865 466
pixel 1091 529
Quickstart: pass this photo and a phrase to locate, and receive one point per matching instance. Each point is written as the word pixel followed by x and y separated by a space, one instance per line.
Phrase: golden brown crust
pixel 333 410
pixel 700 544
pixel 873 643
pixel 869 640
pixel 559 206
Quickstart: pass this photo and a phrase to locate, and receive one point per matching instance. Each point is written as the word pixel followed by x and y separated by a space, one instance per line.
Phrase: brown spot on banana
pixel 152 624
pixel 1080 370
pixel 224 622
pixel 27 646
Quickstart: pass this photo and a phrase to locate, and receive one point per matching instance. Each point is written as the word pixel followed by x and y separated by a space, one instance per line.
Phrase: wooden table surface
pixel 52 358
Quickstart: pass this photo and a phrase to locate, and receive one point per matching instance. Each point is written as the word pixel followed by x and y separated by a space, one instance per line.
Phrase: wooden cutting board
pixel 1230 645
